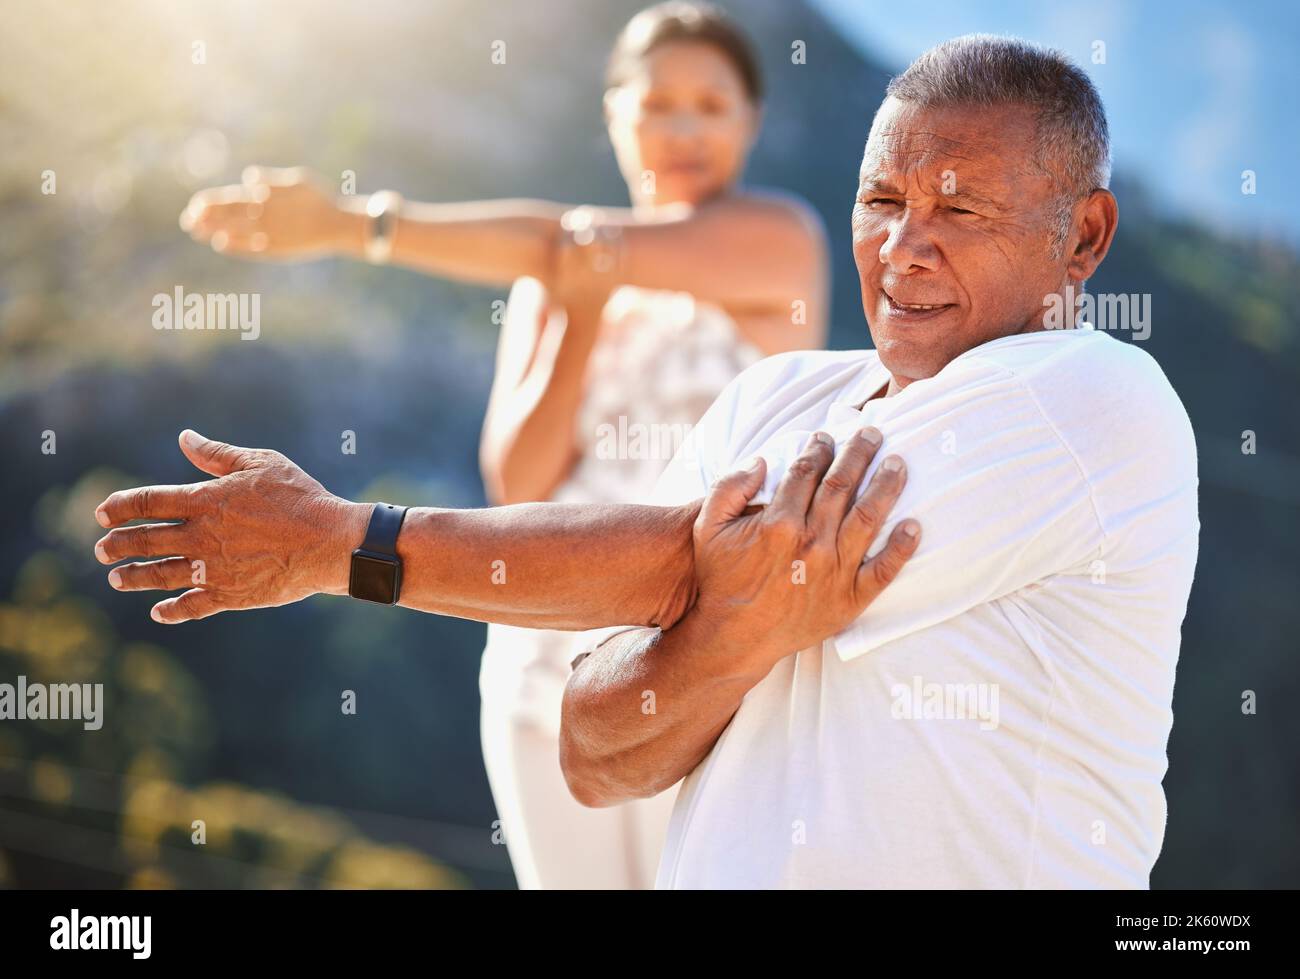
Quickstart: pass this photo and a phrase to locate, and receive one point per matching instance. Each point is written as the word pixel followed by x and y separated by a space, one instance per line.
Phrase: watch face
pixel 374 579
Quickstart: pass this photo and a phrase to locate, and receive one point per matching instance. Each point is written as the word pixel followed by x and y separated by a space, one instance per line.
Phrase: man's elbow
pixel 583 779
pixel 597 777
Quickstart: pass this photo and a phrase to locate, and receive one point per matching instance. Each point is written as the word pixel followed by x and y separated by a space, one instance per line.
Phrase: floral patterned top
pixel 659 361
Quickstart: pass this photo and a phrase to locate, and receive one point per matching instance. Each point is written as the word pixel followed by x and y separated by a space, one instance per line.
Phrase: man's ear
pixel 1098 220
pixel 607 105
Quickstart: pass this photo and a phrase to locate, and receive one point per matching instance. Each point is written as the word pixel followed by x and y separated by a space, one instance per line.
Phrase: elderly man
pixel 999 716
pixel 995 717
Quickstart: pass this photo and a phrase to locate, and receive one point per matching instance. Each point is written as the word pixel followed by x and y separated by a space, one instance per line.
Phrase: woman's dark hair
pixel 684 20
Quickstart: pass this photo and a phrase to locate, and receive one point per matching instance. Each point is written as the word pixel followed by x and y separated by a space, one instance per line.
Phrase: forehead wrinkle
pixel 892 145
pixel 892 132
pixel 922 167
pixel 911 156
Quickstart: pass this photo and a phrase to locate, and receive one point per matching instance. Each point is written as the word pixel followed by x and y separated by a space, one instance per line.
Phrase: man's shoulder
pixel 1087 374
pixel 805 369
pixel 1109 401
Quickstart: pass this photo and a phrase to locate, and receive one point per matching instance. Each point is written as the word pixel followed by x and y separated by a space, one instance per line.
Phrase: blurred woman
pixel 621 327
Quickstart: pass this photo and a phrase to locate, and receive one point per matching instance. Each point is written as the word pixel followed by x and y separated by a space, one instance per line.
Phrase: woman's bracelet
pixel 600 244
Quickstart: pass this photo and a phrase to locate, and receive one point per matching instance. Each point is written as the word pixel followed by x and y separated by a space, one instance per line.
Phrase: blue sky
pixel 1196 92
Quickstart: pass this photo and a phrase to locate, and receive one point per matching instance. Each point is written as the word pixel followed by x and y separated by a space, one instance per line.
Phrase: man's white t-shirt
pixel 998 717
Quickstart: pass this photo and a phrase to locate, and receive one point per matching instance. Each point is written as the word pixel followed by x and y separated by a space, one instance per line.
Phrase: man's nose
pixel 910 245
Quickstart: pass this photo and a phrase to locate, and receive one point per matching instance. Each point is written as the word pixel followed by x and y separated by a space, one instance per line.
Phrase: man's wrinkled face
pixel 952 233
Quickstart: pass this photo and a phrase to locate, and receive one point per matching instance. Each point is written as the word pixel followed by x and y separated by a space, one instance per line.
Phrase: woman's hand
pixel 273 213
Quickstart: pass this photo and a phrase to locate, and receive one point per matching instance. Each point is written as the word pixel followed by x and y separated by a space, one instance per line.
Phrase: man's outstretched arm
pixel 264 533
pixel 558 565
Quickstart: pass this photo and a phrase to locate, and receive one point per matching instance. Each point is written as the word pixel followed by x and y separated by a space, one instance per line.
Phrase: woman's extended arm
pixel 490 243
pixel 762 258
pixel 759 256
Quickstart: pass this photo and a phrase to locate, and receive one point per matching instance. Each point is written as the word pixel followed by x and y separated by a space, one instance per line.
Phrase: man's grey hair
pixel 1073 140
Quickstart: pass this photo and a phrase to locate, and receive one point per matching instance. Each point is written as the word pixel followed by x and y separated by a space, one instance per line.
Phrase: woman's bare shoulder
pixel 778 211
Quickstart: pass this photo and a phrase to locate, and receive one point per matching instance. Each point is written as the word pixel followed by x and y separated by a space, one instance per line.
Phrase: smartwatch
pixel 376 568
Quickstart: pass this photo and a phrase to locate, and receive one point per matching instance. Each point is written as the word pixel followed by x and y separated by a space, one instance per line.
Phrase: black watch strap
pixel 376 574
pixel 385 525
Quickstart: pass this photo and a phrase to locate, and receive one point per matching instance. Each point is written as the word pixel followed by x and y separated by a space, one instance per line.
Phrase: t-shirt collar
pixel 870 379
pixel 874 376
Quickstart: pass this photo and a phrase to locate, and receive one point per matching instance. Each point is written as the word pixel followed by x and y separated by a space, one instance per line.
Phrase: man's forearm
pixel 542 565
pixel 647 706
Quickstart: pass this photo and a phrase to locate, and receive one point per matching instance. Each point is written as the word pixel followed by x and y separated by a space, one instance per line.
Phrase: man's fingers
pixel 878 572
pixel 194 604
pixel 840 485
pixel 215 458
pixel 868 515
pixel 795 491
pixel 147 540
pixel 729 496
pixel 165 575
pixel 146 503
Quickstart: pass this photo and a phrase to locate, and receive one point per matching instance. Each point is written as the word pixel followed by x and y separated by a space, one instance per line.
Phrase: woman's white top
pixel 660 360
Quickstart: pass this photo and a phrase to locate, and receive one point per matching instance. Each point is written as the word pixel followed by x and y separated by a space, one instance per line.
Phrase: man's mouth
pixel 912 310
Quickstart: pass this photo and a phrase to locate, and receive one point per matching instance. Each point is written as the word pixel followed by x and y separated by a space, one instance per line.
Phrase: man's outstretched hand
pixel 263 533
